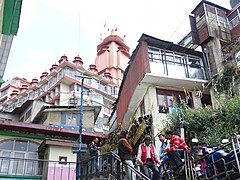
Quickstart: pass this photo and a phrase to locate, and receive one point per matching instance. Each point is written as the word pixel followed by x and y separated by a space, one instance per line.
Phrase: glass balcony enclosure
pixel 175 64
pixel 216 16
pixel 234 18
pixel 212 15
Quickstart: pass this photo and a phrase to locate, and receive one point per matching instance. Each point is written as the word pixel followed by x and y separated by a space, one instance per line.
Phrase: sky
pixel 49 29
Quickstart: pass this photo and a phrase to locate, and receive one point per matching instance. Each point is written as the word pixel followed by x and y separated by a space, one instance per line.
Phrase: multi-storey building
pixel 234 3
pixel 160 74
pixel 61 85
pixel 212 27
pixel 44 113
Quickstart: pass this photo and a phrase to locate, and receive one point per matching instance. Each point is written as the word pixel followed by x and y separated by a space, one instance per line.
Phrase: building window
pixel 28 114
pixel 21 120
pixel 115 90
pixel 103 86
pixel 62 160
pixel 234 18
pixel 70 119
pixel 168 100
pixel 26 154
pixel 3 101
pixel 216 16
pixel 5 92
pixel 122 74
pixel 107 106
pixel 175 64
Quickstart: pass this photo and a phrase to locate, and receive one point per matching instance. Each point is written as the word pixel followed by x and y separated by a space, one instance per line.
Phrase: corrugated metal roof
pixel 152 41
pixel 48 130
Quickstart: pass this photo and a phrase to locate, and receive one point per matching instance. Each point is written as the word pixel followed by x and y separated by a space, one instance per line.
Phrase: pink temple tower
pixel 112 57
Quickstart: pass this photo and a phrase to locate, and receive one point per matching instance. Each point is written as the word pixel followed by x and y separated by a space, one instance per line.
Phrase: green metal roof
pixel 11 16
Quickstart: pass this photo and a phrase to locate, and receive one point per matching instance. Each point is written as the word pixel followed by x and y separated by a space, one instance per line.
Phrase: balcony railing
pixel 36 169
pixel 110 166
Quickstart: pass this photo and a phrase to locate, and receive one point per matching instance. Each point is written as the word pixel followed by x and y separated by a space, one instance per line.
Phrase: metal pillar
pixel 182 132
pixel 78 168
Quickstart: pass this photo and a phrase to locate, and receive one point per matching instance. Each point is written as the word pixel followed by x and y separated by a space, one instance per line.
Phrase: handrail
pixel 226 145
pixel 235 152
pixel 110 164
pixel 188 167
pixel 134 170
pixel 224 166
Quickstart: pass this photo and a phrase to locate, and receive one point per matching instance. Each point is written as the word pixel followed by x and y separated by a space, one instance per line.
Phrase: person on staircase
pixel 148 158
pixel 94 151
pixel 163 156
pixel 125 153
pixel 174 157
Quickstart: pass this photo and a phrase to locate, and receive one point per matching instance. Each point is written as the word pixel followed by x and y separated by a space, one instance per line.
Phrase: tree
pixel 207 124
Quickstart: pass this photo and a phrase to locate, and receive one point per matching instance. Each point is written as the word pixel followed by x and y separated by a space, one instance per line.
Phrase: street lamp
pixel 195 147
pixel 194 140
pixel 225 141
pixel 80 128
pixel 182 132
pixel 181 123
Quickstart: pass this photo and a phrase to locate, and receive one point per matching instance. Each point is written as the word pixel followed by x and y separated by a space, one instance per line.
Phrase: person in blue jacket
pixel 162 156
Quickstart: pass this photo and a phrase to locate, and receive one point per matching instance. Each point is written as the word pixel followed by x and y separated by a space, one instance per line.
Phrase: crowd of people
pixel 151 161
pixel 218 161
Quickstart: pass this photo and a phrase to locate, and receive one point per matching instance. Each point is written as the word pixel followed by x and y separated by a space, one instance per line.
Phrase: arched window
pixel 18 157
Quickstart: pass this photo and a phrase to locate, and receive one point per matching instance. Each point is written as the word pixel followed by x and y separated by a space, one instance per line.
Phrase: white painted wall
pixel 56 151
pixel 159 119
pixel 65 94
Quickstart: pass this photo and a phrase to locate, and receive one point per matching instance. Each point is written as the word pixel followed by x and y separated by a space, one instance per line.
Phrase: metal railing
pixel 109 166
pixel 222 163
pixel 170 171
pixel 36 169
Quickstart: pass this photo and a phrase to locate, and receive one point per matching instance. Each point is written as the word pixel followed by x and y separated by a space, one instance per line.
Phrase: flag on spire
pixel 101 37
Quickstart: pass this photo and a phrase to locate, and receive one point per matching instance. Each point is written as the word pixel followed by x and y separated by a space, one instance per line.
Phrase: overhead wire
pixel 215 49
pixel 181 23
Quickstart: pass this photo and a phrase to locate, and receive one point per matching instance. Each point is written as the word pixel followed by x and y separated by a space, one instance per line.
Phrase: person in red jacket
pixel 148 157
pixel 173 154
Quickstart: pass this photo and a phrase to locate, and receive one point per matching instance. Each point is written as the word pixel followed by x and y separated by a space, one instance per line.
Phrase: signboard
pixel 139 132
pixel 76 149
